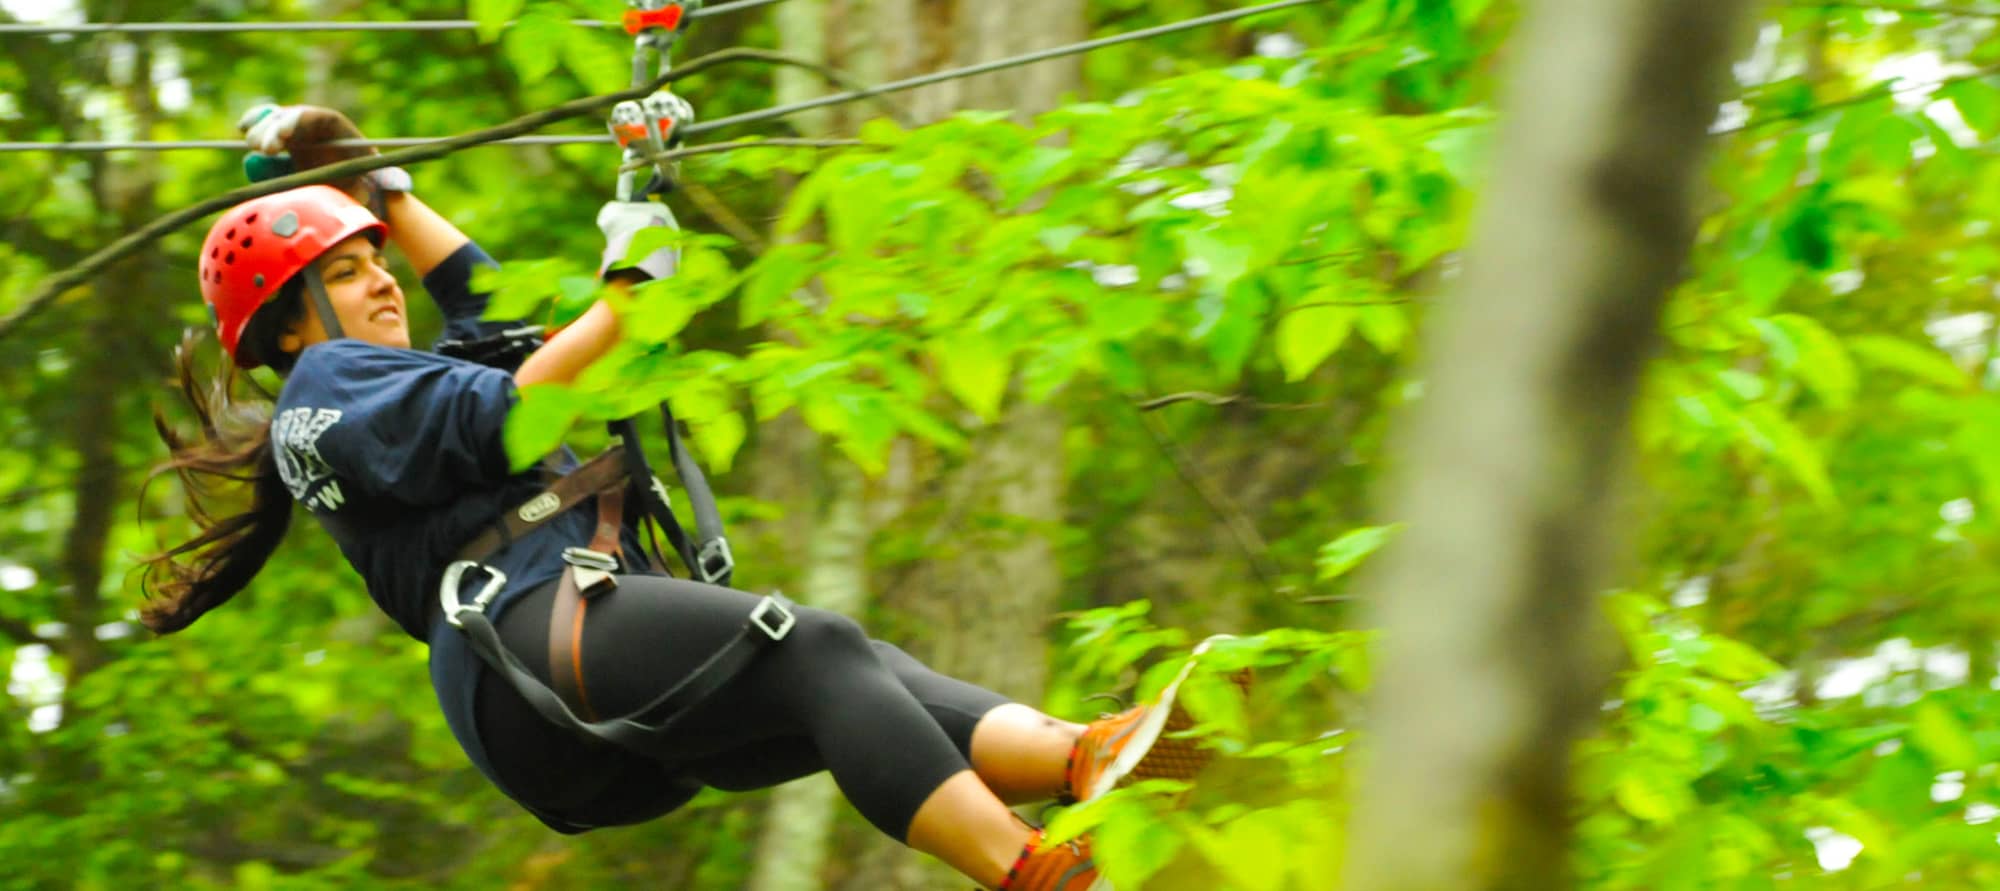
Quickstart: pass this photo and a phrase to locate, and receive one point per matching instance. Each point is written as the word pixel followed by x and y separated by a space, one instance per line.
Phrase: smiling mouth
pixel 385 314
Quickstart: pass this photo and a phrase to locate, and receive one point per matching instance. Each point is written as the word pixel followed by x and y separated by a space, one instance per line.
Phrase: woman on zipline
pixel 397 452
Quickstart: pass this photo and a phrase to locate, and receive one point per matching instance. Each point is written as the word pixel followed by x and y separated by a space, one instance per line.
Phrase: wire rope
pixel 748 117
pixel 51 287
pixel 416 25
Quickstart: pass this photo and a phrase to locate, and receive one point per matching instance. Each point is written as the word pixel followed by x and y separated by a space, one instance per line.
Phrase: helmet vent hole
pixel 214 252
pixel 250 220
pixel 229 257
pixel 229 234
pixel 246 242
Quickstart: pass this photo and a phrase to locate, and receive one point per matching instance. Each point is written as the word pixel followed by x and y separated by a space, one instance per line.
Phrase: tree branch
pixel 1885 91
pixel 1217 399
pixel 718 147
pixel 1241 530
pixel 20 632
pixel 705 199
pixel 54 286
pixel 1905 9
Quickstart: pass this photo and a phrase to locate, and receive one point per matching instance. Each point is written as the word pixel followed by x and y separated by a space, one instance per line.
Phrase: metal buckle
pixel 771 604
pixel 714 554
pixel 448 590
pixel 585 558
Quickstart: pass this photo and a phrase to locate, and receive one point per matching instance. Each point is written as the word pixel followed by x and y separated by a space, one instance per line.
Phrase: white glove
pixel 621 222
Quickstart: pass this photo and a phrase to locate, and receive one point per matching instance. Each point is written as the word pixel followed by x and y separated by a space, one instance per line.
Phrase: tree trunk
pixel 982 606
pixel 1495 657
pixel 126 190
pixel 792 852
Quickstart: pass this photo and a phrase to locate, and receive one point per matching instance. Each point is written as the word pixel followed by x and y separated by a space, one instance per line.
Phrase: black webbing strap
pixel 706 553
pixel 329 321
pixel 713 561
pixel 767 624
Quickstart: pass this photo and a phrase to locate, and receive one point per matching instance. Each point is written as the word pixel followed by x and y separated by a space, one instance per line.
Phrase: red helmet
pixel 260 244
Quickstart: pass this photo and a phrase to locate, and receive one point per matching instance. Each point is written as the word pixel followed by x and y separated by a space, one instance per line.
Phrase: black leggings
pixel 825 698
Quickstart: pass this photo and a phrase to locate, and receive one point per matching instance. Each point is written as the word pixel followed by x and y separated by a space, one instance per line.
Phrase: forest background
pixel 1058 371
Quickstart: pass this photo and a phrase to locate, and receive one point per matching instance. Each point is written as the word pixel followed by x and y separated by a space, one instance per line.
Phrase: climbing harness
pixel 645 129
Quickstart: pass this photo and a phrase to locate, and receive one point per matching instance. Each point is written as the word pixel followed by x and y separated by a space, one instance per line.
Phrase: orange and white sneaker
pixel 1059 867
pixel 1137 744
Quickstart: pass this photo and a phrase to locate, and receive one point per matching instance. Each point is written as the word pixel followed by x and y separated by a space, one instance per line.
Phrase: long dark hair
pixel 232 452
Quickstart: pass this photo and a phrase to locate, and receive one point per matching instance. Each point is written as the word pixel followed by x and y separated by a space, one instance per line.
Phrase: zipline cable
pixel 748 117
pixel 175 145
pixel 911 83
pixel 415 25
pixel 53 286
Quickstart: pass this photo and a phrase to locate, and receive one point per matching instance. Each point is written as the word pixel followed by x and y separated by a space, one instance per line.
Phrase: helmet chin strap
pixel 323 305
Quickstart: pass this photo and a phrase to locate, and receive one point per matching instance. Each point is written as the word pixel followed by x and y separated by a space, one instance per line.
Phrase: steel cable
pixel 49 288
pixel 748 117
pixel 417 25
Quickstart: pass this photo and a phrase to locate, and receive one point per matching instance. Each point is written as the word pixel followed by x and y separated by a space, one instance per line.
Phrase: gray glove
pixel 621 222
pixel 289 138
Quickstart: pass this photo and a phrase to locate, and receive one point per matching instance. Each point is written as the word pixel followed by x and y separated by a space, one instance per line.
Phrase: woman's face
pixel 364 295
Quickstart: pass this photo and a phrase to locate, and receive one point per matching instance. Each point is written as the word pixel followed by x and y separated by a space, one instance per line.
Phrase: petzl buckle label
pixel 540 508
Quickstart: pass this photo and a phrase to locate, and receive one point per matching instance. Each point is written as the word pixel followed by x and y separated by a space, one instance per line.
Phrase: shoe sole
pixel 1147 732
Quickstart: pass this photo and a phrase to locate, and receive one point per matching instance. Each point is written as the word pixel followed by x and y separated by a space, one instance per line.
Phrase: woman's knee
pixel 826 633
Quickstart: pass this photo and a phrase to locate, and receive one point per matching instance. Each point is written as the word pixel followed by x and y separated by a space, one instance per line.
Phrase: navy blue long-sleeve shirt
pixel 398 454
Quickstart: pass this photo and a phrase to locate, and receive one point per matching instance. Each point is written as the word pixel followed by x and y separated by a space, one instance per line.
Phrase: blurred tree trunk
pixel 116 321
pixel 792 852
pixel 984 606
pixel 1495 656
pixel 792 849
pixel 982 598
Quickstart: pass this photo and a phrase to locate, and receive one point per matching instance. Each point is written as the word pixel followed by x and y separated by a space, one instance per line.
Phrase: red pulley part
pixel 638 20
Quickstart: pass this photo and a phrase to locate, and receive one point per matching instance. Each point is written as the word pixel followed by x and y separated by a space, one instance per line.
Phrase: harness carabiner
pixel 448 590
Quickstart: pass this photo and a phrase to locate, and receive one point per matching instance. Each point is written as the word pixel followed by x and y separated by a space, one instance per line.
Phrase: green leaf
pixel 538 42
pixel 1822 362
pixel 1133 846
pixel 1121 316
pixel 974 370
pixel 1387 327
pixel 1923 362
pixel 1309 334
pixel 492 16
pixel 775 279
pixel 1978 102
pixel 518 290
pixel 659 311
pixel 1646 790
pixel 538 422
pixel 583 52
pixel 1340 556
pixel 1733 660
pixel 1765 277
pixel 1777 437
pixel 1940 735
pixel 1224 257
pixel 1121 368
pixel 576 294
pixel 1251 852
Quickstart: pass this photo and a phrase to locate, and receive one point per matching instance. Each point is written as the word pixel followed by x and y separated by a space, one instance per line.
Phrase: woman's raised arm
pixel 569 351
pixel 424 236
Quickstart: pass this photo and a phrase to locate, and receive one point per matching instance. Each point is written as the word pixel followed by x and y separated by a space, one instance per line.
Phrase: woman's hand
pixel 569 351
pixel 621 222
pixel 291 138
